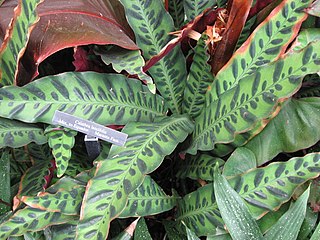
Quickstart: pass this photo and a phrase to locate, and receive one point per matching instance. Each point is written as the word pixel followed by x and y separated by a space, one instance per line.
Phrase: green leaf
pixel 16 134
pixel 191 235
pixel 104 98
pixel 240 161
pixel 177 12
pixel 124 170
pixel 199 211
pixel 151 24
pixel 173 230
pixel 142 231
pixel 194 8
pixel 253 100
pixel 34 179
pixel 61 141
pixel 63 231
pixel 5 193
pixel 316 233
pixel 288 226
pixel 16 39
pixel 269 41
pixel 148 199
pixel 265 189
pixel 305 37
pixel 129 60
pixel 198 167
pixel 234 212
pixel 294 128
pixel 309 222
pixel 199 78
pixel 31 219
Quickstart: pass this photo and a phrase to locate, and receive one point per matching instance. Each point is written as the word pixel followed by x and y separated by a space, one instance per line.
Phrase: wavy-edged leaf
pixel 65 24
pixel 176 11
pixel 16 134
pixel 199 211
pixel 104 98
pixel 305 37
pixel 16 39
pixel 253 100
pixel 148 199
pixel 35 179
pixel 199 167
pixel 240 161
pixel 61 141
pixel 199 78
pixel 265 44
pixel 63 231
pixel 294 128
pixel 151 25
pixel 265 189
pixel 124 59
pixel 194 8
pixel 5 183
pixel 31 219
pixel 234 212
pixel 124 170
pixel 288 226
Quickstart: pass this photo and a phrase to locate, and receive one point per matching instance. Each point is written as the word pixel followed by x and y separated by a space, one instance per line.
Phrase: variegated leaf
pixel 199 167
pixel 5 183
pixel 199 211
pixel 16 134
pixel 16 39
pixel 129 60
pixel 199 78
pixel 124 170
pixel 65 231
pixel 253 100
pixel 151 25
pixel 148 199
pixel 104 98
pixel 31 219
pixel 61 141
pixel 269 40
pixel 177 12
pixel 263 189
pixel 194 8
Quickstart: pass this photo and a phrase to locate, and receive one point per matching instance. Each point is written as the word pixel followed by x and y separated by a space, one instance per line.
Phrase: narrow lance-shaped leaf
pixel 269 40
pixel 104 98
pixel 148 199
pixel 129 60
pixel 316 233
pixel 16 39
pixel 124 170
pixel 61 141
pixel 199 211
pixel 288 226
pixel 31 219
pixel 198 167
pixel 199 78
pixel 253 100
pixel 176 11
pixel 194 8
pixel 234 212
pixel 142 231
pixel 263 189
pixel 5 184
pixel 16 134
pixel 151 25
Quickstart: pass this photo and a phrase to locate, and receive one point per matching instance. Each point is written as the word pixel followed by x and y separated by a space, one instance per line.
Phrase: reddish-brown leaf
pixel 239 11
pixel 66 24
